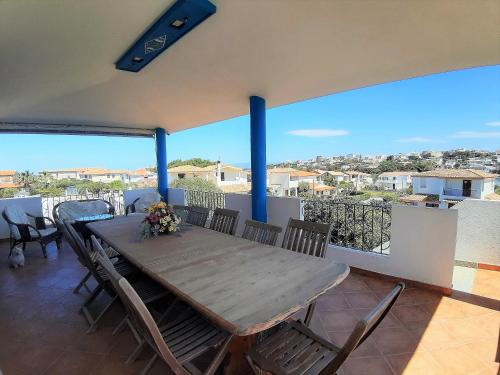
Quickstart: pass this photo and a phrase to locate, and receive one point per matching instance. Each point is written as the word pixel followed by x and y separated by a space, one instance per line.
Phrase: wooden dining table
pixel 242 286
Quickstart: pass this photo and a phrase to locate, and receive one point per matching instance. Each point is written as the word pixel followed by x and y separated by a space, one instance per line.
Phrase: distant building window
pixel 423 183
pixel 222 176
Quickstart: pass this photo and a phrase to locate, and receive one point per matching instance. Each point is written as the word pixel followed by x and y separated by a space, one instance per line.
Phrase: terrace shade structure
pixel 59 75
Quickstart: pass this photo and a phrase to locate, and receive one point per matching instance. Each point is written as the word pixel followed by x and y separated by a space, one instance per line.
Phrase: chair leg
pixel 150 364
pixel 119 326
pixel 309 314
pixel 59 243
pixel 137 351
pixel 219 357
pixel 44 250
pixel 82 283
pixel 93 324
pixel 255 370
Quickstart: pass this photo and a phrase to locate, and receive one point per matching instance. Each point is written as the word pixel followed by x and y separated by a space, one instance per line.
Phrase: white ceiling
pixel 57 63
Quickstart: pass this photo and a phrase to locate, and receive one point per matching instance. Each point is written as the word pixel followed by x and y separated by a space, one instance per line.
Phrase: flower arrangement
pixel 160 219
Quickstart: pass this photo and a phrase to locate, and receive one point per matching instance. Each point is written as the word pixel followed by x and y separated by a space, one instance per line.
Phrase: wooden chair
pixel 225 221
pixel 307 238
pixel 297 350
pixel 103 285
pixel 179 341
pixel 181 211
pixel 197 216
pixel 148 290
pixel 266 234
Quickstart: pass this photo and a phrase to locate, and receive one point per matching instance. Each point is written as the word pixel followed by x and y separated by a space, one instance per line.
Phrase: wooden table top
pixel 243 286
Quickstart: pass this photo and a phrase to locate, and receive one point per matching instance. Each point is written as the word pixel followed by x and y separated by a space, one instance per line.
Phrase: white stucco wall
pixel 130 195
pixel 177 196
pixel 478 235
pixel 422 247
pixel 432 185
pixel 32 205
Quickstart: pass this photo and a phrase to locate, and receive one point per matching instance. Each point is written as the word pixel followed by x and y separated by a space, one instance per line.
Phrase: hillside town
pixel 429 178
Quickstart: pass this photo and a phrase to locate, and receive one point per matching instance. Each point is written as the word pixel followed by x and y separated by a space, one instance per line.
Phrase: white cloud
pixel 475 134
pixel 418 140
pixel 318 133
pixel 493 123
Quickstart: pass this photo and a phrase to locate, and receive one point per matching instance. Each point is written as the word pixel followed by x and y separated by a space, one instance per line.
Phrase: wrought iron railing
pixel 208 199
pixel 114 197
pixel 355 225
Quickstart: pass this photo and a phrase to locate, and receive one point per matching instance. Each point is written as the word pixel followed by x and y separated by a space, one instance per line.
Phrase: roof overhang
pixel 58 63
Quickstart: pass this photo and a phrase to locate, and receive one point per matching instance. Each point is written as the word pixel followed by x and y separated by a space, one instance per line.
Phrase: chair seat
pixel 189 335
pixel 294 350
pixel 43 232
pixel 123 267
pixel 149 290
pixel 110 253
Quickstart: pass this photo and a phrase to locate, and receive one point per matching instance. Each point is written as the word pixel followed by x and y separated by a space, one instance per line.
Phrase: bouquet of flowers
pixel 160 219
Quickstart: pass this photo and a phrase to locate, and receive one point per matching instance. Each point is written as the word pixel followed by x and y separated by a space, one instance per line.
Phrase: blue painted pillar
pixel 258 157
pixel 161 162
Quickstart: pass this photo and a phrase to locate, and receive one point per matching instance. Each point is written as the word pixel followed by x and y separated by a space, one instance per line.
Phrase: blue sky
pixel 438 112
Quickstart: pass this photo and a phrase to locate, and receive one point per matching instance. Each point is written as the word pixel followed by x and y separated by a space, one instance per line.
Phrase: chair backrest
pixel 105 263
pixel 306 237
pixel 69 238
pixel 71 210
pixel 225 221
pixel 15 215
pixel 146 326
pixel 365 327
pixel 197 216
pixel 261 232
pixel 85 254
pixel 181 211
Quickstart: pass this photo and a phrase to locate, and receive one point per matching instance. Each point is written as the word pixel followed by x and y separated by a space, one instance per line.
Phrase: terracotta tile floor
pixel 41 331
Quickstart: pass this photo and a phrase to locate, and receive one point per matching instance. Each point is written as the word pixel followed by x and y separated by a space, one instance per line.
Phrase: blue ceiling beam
pixel 182 17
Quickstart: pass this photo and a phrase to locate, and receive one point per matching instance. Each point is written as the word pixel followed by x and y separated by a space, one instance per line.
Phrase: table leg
pixel 236 363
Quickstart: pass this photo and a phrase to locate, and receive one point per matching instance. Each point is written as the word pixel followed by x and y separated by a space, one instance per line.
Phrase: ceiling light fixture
pixel 167 30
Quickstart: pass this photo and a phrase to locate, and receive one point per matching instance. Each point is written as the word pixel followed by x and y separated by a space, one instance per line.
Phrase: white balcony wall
pixel 177 196
pixel 32 205
pixel 422 247
pixel 131 195
pixel 478 234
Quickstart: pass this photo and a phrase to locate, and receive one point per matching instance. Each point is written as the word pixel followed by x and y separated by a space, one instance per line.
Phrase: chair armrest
pixel 40 221
pixel 131 207
pixel 24 231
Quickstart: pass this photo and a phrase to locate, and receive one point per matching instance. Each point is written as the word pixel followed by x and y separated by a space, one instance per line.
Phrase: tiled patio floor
pixel 42 333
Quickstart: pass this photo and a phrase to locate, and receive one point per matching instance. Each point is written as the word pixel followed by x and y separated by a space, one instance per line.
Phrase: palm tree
pixel 25 179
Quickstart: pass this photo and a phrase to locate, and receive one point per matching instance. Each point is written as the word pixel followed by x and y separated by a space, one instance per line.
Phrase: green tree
pixel 8 192
pixel 197 162
pixel 303 187
pixel 194 183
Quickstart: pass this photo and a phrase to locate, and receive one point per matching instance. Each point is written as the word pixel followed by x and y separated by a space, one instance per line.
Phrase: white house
pixel 285 181
pixel 453 185
pixel 67 173
pixel 228 178
pixel 397 181
pixel 7 179
pixel 359 179
pixel 335 176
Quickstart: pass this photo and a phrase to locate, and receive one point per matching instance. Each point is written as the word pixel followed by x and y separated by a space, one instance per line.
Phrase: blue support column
pixel 161 162
pixel 258 157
